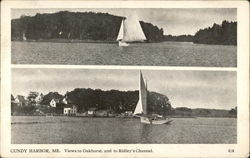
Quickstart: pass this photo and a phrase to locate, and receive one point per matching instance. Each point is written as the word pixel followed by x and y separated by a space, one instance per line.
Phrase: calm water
pixel 154 54
pixel 75 130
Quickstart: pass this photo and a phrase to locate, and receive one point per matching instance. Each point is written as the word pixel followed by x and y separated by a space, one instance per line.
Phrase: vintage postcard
pixel 125 79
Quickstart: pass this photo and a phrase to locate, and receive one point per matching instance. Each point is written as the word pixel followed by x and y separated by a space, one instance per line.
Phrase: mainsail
pixel 141 107
pixel 121 32
pixel 130 30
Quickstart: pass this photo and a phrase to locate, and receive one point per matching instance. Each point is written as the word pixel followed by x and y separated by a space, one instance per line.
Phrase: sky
pixel 174 21
pixel 184 88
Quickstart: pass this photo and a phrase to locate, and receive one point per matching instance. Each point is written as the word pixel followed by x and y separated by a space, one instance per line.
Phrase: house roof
pixel 69 106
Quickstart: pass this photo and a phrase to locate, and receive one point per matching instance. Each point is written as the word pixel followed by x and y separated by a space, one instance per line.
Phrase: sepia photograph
pixel 204 37
pixel 102 106
pixel 124 78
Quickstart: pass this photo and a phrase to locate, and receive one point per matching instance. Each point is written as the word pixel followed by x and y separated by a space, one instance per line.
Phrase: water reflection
pixel 145 132
pixel 71 130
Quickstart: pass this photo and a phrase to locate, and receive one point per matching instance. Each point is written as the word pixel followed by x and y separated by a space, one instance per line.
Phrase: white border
pixel 241 149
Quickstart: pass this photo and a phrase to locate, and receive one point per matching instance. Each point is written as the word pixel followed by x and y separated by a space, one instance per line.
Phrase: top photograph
pixel 195 37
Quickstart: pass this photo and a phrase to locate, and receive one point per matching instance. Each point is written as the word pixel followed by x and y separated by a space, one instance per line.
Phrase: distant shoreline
pixel 130 117
pixel 110 42
pixel 88 41
pixel 66 41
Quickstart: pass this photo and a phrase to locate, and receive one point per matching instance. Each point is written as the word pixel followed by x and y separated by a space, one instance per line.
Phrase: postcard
pixel 125 79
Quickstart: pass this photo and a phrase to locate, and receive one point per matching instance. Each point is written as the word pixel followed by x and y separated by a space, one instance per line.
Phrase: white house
pixel 65 100
pixel 66 111
pixel 129 113
pixel 70 110
pixel 53 102
pixel 20 100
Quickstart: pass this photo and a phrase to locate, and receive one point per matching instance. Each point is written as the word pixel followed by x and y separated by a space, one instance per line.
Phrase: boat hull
pixel 123 44
pixel 147 120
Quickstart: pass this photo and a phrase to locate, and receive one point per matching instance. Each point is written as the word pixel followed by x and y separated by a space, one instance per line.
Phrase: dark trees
pixel 79 26
pixel 51 95
pixel 117 101
pixel 152 33
pixel 31 98
pixel 225 34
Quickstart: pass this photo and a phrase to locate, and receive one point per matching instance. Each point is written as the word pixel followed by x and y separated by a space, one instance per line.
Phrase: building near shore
pixel 128 113
pixel 65 101
pixel 53 102
pixel 70 109
pixel 20 100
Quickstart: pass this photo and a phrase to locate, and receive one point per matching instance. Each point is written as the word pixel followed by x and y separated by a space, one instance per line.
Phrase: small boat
pixel 141 107
pixel 130 31
pixel 122 44
pixel 155 121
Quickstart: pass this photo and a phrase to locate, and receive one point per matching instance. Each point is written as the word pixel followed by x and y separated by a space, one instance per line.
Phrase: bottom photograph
pixel 123 106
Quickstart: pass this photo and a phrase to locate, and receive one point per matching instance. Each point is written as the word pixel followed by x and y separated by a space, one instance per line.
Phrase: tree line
pixel 180 38
pixel 224 34
pixel 117 101
pixel 202 112
pixel 105 27
pixel 112 100
pixel 75 26
pixel 84 99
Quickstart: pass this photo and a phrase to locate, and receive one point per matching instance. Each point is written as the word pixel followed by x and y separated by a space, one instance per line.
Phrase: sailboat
pixel 141 107
pixel 130 31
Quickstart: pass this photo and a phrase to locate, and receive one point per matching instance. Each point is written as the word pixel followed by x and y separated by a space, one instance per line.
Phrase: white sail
pixel 138 109
pixel 121 32
pixel 132 30
pixel 141 107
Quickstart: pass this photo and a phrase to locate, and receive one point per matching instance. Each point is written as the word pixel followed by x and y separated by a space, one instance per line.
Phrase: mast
pixel 143 94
